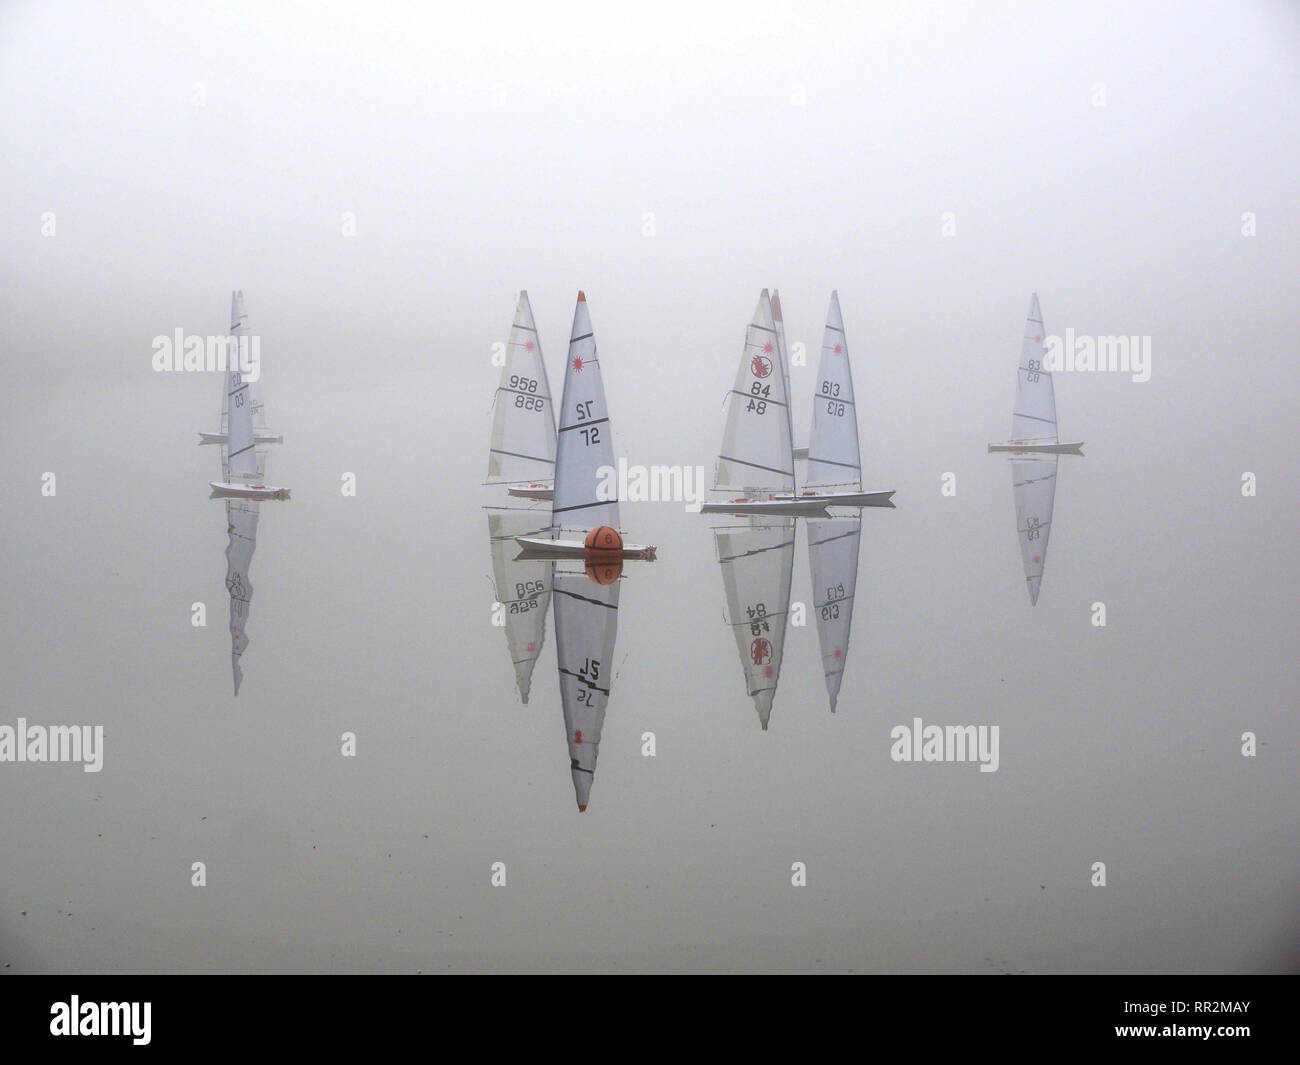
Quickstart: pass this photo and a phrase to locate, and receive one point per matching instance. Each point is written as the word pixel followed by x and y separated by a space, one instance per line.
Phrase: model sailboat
pixel 584 499
pixel 584 526
pixel 1035 447
pixel 834 458
pixel 262 434
pixel 757 455
pixel 240 466
pixel 522 454
pixel 1033 419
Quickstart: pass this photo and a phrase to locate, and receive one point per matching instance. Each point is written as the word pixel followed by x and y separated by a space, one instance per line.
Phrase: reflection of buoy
pixel 604 570
pixel 603 554
pixel 603 538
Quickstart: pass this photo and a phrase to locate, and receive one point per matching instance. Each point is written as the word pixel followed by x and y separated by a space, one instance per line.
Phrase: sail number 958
pixel 526 389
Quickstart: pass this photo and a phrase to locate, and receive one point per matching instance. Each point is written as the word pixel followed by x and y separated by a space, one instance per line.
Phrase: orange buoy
pixel 602 539
pixel 604 570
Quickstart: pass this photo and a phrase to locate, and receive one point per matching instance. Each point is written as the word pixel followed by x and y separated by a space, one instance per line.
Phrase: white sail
pixel 757 561
pixel 241 522
pixel 757 453
pixel 585 443
pixel 778 323
pixel 240 458
pixel 833 561
pixel 523 588
pixel 1034 485
pixel 833 454
pixel 1033 418
pixel 523 422
pixel 586 626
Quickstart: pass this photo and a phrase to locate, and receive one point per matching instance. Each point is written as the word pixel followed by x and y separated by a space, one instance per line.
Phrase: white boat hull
pixel 882 498
pixel 801 506
pixel 539 547
pixel 260 436
pixel 532 491
pixel 1040 449
pixel 227 490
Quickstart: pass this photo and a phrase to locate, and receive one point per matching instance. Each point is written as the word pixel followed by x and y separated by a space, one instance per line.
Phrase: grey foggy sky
pixel 807 147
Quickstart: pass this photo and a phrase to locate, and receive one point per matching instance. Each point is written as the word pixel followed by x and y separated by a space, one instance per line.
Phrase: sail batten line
pixel 760 399
pixel 837 536
pixel 581 506
pixel 586 684
pixel 521 455
pixel 582 425
pixel 585 599
pixel 757 551
pixel 755 465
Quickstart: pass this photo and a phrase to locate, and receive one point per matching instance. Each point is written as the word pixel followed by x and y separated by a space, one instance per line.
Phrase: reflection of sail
pixel 523 425
pixel 757 455
pixel 833 558
pixel 586 626
pixel 757 561
pixel 523 588
pixel 585 441
pixel 1034 484
pixel 241 519
pixel 1033 418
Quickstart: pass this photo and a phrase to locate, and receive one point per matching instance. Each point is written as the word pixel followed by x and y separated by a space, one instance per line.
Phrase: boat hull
pixel 534 547
pixel 259 437
pixel 1040 449
pixel 226 490
pixel 531 492
pixel 801 506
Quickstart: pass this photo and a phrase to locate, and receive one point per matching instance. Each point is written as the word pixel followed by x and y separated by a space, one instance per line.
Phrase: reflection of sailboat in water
pixel 756 553
pixel 523 588
pixel 589 550
pixel 757 459
pixel 522 455
pixel 243 468
pixel 1035 446
pixel 835 468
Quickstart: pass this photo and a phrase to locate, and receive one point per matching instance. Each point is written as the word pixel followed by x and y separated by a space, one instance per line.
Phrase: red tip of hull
pixel 582 807
pixel 582 296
